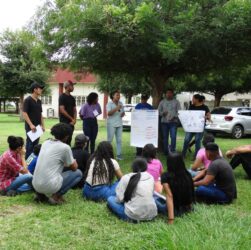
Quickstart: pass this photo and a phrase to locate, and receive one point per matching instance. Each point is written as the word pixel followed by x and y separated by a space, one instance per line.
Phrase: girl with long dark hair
pixel 88 113
pixel 178 186
pixel 13 172
pixel 134 194
pixel 100 172
pixel 154 166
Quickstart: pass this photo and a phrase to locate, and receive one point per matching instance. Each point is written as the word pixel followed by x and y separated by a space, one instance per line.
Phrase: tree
pixel 23 63
pixel 153 39
pixel 219 83
pixel 127 84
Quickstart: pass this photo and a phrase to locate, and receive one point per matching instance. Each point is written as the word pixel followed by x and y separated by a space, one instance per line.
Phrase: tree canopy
pixel 154 39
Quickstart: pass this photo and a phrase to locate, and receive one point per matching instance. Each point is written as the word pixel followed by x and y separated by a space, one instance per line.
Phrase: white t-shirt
pixel 53 157
pixel 89 179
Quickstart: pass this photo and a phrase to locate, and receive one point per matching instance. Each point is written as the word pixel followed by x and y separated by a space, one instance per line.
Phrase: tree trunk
pixel 217 99
pixel 21 103
pixel 129 99
pixel 4 106
pixel 17 107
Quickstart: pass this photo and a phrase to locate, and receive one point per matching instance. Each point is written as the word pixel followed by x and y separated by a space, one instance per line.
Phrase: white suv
pixel 231 120
pixel 126 120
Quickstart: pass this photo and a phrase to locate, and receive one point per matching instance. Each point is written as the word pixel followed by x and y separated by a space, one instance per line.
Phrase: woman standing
pixel 88 113
pixel 13 172
pixel 115 112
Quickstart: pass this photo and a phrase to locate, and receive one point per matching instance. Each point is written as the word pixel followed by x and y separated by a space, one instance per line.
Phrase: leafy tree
pixel 153 39
pixel 127 84
pixel 22 63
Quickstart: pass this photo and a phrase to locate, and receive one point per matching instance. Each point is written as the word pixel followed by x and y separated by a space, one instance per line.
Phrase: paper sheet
pixel 35 135
pixel 95 112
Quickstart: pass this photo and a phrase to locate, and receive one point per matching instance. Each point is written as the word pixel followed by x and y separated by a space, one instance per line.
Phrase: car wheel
pixel 237 132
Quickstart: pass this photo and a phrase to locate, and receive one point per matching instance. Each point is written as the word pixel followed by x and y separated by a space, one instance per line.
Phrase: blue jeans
pixel 70 179
pixel 117 208
pixel 29 146
pixel 170 127
pixel 90 129
pixel 188 138
pixel 99 192
pixel 20 183
pixel 211 193
pixel 117 131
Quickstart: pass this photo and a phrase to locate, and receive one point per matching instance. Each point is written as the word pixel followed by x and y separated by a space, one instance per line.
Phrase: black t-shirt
pixel 69 104
pixel 182 189
pixel 81 157
pixel 224 177
pixel 201 107
pixel 34 110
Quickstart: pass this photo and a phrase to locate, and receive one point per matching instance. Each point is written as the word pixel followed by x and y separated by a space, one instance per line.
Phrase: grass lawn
pixel 81 224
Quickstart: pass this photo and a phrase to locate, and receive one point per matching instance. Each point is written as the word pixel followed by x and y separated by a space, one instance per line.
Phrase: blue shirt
pixel 32 165
pixel 143 106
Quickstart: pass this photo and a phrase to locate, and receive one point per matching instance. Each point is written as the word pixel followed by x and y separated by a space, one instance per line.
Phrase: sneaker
pixel 41 198
pixel 11 193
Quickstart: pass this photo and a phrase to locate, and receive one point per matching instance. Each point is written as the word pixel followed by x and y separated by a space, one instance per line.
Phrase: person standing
pixel 67 108
pixel 115 111
pixel 143 105
pixel 88 113
pixel 32 113
pixel 168 110
pixel 197 104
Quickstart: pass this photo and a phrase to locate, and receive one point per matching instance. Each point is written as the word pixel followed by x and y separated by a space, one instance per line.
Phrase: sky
pixel 14 14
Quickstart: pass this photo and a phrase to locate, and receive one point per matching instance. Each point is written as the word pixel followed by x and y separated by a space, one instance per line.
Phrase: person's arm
pixel 74 116
pixel 118 173
pixel 42 123
pixel 207 180
pixel 99 109
pixel 112 111
pixel 81 112
pixel 74 165
pixel 161 111
pixel 64 113
pixel 197 163
pixel 27 119
pixel 120 189
pixel 208 116
pixel 200 175
pixel 238 150
pixel 169 203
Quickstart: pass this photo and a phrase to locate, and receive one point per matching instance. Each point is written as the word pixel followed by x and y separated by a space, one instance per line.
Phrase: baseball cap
pixel 36 85
pixel 68 83
pixel 81 139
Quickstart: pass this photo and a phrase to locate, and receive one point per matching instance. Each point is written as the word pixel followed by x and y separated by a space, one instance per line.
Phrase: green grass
pixel 81 224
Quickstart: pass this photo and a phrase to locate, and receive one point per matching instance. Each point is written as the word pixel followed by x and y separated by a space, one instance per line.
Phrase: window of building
pixel 80 100
pixel 47 100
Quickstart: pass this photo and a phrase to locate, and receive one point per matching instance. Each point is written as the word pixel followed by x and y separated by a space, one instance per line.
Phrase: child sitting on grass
pixel 154 166
pixel 134 195
pixel 32 159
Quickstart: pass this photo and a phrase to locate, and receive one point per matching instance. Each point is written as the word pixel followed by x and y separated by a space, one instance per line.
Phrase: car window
pixel 244 111
pixel 128 108
pixel 221 111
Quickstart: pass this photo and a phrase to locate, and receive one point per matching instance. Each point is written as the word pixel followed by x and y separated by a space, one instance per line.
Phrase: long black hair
pixel 139 165
pixel 181 183
pixel 149 152
pixel 15 142
pixel 103 166
pixel 92 97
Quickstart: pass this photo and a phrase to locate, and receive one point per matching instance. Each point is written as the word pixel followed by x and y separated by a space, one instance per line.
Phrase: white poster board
pixel 35 135
pixel 192 120
pixel 144 127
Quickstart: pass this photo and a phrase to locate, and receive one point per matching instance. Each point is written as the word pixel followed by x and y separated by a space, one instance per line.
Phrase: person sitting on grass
pixel 32 159
pixel 201 162
pixel 218 186
pixel 49 180
pixel 154 166
pixel 134 195
pixel 100 172
pixel 81 155
pixel 241 155
pixel 13 171
pixel 178 187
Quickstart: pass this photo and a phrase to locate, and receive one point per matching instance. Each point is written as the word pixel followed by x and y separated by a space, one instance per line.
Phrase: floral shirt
pixel 10 166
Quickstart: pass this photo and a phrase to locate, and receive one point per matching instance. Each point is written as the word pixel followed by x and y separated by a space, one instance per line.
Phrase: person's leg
pixel 87 132
pixel 198 138
pixel 212 194
pixel 161 204
pixel 19 181
pixel 187 139
pixel 165 133
pixel 110 133
pixel 235 161
pixel 117 208
pixel 173 133
pixel 243 159
pixel 70 179
pixel 118 134
pixel 70 136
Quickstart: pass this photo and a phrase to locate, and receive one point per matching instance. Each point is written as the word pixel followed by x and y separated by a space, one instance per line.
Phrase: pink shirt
pixel 203 157
pixel 155 168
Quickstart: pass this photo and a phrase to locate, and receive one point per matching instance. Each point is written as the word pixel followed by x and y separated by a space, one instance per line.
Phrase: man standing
pixel 168 110
pixel 143 105
pixel 218 186
pixel 197 104
pixel 67 108
pixel 32 113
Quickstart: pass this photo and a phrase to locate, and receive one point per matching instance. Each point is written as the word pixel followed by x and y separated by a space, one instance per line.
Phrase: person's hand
pixel 119 107
pixel 122 114
pixel 33 128
pixel 73 122
pixel 22 151
pixel 229 154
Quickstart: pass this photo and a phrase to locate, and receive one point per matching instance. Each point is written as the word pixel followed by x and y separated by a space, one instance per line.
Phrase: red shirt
pixel 10 166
